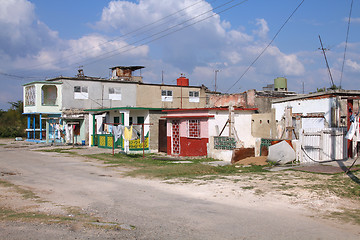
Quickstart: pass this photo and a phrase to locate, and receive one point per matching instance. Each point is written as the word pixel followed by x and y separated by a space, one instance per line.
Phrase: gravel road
pixel 147 209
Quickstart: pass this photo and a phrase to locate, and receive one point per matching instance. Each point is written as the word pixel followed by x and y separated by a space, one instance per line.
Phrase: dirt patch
pixel 241 153
pixel 259 161
pixel 323 169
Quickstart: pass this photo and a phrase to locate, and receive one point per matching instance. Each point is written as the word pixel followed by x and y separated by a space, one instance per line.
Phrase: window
pixel 116 119
pixel 48 95
pixel 193 128
pixel 166 95
pixel 81 92
pixel 30 96
pixel 194 96
pixel 140 120
pixel 115 93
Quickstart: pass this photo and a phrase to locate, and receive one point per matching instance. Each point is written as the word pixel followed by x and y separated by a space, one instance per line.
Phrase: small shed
pixel 191 132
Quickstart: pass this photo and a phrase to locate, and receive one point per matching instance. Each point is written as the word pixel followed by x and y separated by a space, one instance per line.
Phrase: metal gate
pixel 319 145
pixel 175 137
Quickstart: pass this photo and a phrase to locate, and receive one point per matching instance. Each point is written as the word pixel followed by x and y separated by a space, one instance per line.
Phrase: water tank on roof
pixel 280 84
pixel 183 81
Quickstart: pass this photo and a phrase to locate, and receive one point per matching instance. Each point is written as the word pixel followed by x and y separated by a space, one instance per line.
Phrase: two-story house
pixel 80 109
pixel 150 100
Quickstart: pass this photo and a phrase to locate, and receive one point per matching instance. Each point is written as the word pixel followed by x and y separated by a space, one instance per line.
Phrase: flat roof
pixel 318 95
pixel 41 82
pixel 132 68
pixel 117 81
pixel 209 109
pixel 121 108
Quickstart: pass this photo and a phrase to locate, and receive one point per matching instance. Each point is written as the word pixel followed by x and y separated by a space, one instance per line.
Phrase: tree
pixel 12 121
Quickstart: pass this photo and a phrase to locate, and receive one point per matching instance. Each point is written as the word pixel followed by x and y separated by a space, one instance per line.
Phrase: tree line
pixel 13 122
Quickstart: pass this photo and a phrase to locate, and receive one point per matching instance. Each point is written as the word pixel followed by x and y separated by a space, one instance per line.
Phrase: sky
pixel 250 42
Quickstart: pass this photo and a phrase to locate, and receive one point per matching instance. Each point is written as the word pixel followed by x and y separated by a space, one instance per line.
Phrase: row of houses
pixel 181 119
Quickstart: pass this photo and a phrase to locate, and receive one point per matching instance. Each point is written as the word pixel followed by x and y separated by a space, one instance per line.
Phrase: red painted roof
pixel 189 116
pixel 209 109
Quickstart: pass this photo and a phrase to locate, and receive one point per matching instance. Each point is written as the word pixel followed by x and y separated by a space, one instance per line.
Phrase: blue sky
pixel 43 39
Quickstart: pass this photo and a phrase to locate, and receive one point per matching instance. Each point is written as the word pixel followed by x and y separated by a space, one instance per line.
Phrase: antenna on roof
pixel 80 71
pixel 327 64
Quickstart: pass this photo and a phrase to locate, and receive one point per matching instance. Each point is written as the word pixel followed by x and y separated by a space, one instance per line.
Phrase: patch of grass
pixel 154 167
pixel 339 184
pixel 259 192
pixel 61 150
pixel 347 215
pixel 26 194
pixel 248 187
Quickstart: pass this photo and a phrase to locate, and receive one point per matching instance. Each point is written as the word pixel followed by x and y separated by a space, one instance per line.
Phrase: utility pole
pixel 327 64
pixel 303 88
pixel 162 77
pixel 216 71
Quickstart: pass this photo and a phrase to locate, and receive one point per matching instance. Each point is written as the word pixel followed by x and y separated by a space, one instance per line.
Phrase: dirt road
pixel 144 209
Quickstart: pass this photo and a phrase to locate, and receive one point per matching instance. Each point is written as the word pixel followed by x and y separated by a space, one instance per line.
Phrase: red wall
pixel 190 146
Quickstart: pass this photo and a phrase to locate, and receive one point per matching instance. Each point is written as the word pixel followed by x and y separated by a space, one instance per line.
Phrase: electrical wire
pixel 64 59
pixel 165 32
pixel 346 42
pixel 321 161
pixel 264 50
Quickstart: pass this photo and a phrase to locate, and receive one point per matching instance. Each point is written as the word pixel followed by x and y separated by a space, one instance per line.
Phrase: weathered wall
pixel 154 129
pixel 263 125
pixel 98 94
pixel 38 107
pixel 150 96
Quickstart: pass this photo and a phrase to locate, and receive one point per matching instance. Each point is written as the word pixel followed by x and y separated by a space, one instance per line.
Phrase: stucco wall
pixel 306 106
pixel 242 124
pixel 98 94
pixel 150 96
pixel 38 107
pixel 263 125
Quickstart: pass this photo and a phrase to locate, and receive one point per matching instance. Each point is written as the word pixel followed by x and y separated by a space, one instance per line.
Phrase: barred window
pixel 115 93
pixel 81 92
pixel 194 96
pixel 193 128
pixel 166 95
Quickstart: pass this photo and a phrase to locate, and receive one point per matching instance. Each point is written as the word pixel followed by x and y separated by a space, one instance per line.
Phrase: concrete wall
pixel 38 107
pixel 150 96
pixel 98 94
pixel 154 117
pixel 305 106
pixel 263 125
pixel 249 99
pixel 242 124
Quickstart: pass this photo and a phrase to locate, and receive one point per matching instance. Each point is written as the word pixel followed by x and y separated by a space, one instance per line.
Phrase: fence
pixel 225 143
pixel 106 141
pixel 320 145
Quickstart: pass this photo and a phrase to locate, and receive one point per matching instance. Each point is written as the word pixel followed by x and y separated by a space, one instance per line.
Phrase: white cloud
pixel 263 28
pixel 352 20
pixel 354 66
pixel 21 33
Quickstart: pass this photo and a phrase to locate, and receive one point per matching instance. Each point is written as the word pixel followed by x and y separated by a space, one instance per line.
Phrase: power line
pixel 327 64
pixel 16 76
pixel 264 50
pixel 163 32
pixel 346 42
pixel 64 59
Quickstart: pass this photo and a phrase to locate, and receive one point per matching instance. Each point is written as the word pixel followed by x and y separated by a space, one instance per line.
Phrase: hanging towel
pixel 136 132
pixel 128 133
pixel 110 128
pixel 117 131
pixel 350 134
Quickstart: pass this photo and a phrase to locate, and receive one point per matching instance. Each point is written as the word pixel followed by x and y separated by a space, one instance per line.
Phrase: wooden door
pixel 162 147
